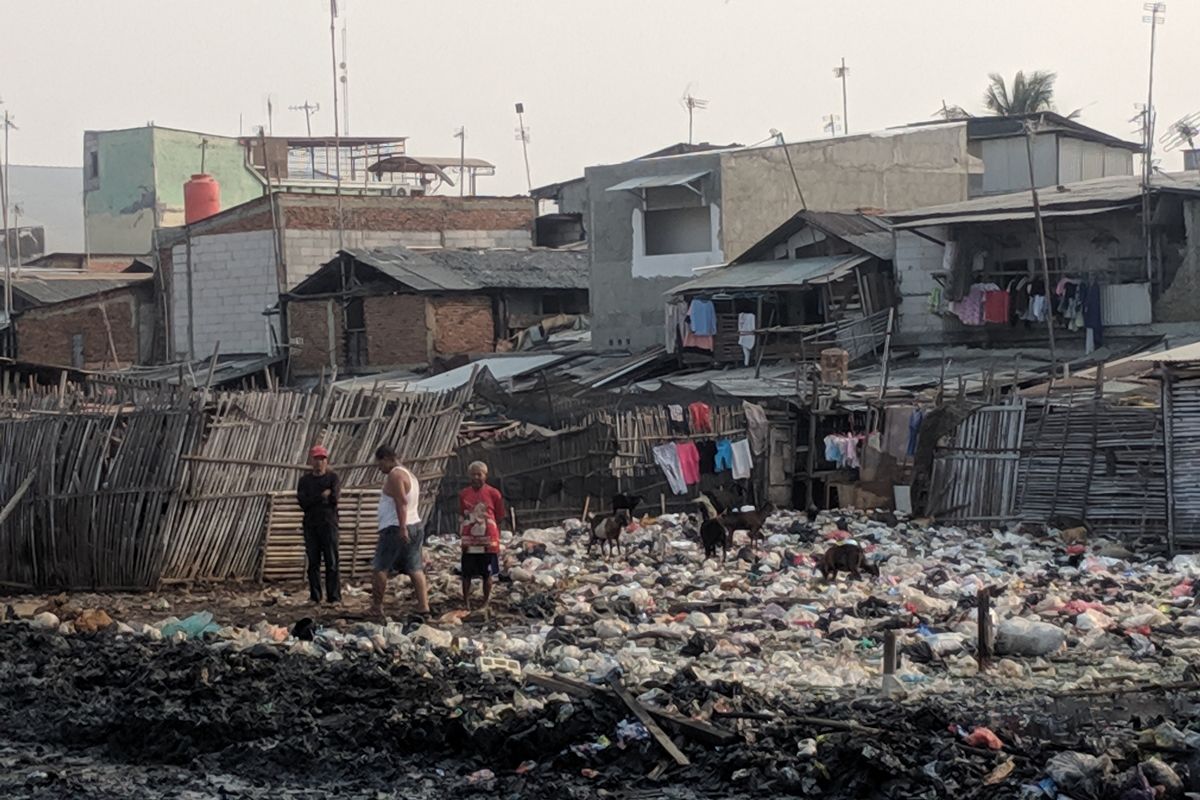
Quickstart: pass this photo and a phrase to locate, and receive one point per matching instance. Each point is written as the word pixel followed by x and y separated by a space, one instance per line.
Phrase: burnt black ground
pixel 101 716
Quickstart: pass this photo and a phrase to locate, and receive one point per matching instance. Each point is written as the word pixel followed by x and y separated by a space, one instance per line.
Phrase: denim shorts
pixel 393 554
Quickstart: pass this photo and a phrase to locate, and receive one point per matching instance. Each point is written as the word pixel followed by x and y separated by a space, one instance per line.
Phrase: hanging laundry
pixel 677 424
pixel 914 429
pixel 696 342
pixel 701 417
pixel 689 461
pixel 724 458
pixel 746 328
pixel 835 449
pixel 708 456
pixel 970 309
pixel 676 312
pixel 742 460
pixel 1092 317
pixel 756 426
pixel 703 316
pixel 667 458
pixel 852 443
pixel 995 306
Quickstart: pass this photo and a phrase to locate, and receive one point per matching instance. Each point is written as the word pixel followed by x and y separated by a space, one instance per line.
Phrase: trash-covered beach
pixel 757 676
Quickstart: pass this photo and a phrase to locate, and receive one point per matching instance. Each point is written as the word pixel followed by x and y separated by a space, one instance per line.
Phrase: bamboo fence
pixel 131 487
pixel 256 443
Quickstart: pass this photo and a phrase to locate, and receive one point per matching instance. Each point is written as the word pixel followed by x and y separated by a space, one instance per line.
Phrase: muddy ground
pixel 102 716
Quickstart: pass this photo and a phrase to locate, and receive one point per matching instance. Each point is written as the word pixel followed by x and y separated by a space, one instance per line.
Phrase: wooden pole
pixel 1041 231
pixel 983 650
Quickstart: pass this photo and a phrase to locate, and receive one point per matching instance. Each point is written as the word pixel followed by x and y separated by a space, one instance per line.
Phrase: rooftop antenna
pixel 461 135
pixel 1156 17
pixel 948 112
pixel 523 135
pixel 831 123
pixel 344 78
pixel 692 104
pixel 841 72
pixel 309 109
pixel 1184 129
pixel 337 134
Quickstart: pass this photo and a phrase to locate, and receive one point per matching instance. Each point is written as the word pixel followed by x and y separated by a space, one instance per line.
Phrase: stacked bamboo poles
pixel 256 443
pixel 101 476
pixel 283 546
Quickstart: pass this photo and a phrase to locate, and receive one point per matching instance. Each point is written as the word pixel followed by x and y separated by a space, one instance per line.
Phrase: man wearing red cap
pixel 318 493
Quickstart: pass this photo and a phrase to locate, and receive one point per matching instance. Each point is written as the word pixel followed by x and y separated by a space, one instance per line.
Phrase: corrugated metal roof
pixel 46 287
pixel 502 368
pixel 649 181
pixel 782 273
pixel 1184 354
pixel 869 234
pixel 1099 192
pixel 1010 216
pixel 446 270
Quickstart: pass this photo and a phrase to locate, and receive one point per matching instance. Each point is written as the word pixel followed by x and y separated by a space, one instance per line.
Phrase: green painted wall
pixel 140 182
pixel 177 158
pixel 119 200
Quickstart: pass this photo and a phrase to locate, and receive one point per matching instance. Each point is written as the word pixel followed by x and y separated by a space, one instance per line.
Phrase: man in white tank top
pixel 401 532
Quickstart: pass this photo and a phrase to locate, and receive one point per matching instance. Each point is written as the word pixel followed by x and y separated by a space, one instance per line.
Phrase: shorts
pixel 393 554
pixel 480 565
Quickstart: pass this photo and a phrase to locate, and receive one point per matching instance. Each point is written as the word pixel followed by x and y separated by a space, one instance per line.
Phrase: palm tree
pixel 1028 96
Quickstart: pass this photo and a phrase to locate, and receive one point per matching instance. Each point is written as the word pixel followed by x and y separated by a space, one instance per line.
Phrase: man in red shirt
pixel 481 507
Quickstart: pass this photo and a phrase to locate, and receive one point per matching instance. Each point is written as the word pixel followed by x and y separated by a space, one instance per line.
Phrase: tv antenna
pixel 1185 129
pixel 831 123
pixel 692 104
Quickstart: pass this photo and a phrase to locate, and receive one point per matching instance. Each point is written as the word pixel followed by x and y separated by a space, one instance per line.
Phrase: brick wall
pixel 309 320
pixel 410 213
pixel 232 282
pixel 45 335
pixel 462 324
pixel 397 330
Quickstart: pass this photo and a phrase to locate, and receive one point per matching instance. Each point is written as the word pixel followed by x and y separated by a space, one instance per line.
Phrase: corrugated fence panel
pixel 1184 438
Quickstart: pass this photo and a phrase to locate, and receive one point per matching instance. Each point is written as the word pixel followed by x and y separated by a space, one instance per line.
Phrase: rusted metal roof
pixel 46 287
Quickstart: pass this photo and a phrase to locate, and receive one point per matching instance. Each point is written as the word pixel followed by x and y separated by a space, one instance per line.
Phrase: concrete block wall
pixel 917 259
pixel 232 282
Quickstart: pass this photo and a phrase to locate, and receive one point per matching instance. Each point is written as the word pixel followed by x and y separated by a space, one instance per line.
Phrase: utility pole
pixel 523 135
pixel 309 109
pixel 337 134
pixel 7 185
pixel 344 78
pixel 1037 214
pixel 461 135
pixel 1156 17
pixel 841 72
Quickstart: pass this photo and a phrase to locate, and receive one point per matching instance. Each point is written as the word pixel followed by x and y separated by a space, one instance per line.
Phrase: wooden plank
pixel 695 729
pixel 639 711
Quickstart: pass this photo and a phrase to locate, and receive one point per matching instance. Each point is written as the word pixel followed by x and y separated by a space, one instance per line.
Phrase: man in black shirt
pixel 318 493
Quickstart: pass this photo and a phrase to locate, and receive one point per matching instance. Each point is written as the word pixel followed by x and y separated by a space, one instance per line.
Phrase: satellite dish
pixel 1185 129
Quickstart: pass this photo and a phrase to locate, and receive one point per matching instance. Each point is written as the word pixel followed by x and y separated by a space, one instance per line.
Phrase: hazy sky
pixel 601 81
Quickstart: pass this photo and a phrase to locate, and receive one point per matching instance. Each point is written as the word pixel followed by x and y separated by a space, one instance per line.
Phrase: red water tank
pixel 201 198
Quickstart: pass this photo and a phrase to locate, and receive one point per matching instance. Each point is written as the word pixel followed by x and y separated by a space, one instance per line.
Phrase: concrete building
pixel 652 222
pixel 222 276
pixel 51 198
pixel 1064 151
pixel 83 320
pixel 1094 234
pixel 133 181
pixel 383 309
